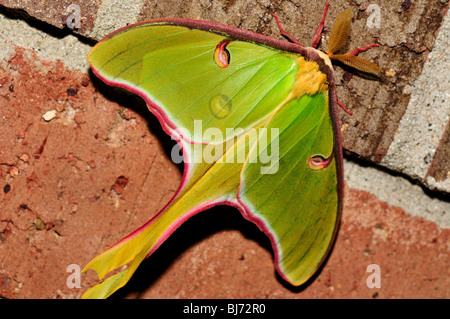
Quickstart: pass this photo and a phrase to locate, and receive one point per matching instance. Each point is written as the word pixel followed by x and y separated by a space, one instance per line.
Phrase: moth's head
pixel 338 37
pixel 325 57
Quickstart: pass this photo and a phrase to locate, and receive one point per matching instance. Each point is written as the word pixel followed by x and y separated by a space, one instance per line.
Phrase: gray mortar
pixel 397 191
pixel 114 14
pixel 68 50
pixel 426 116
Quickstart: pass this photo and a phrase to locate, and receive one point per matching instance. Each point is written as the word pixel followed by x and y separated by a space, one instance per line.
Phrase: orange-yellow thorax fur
pixel 309 79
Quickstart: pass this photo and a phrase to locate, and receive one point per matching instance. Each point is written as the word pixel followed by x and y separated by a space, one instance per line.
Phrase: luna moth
pixel 229 97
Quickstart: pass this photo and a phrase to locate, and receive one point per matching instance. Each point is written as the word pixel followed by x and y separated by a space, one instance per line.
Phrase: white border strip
pixel 69 50
pixel 397 191
pixel 423 124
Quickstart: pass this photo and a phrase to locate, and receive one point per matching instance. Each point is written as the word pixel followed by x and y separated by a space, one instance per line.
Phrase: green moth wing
pixel 299 204
pixel 174 67
pixel 257 121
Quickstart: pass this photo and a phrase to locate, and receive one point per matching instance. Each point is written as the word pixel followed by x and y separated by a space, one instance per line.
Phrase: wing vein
pixel 139 44
pixel 281 155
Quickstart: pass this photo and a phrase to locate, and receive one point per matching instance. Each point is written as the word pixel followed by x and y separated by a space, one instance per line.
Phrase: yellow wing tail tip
pixel 107 262
pixel 107 287
pixel 123 252
pixel 131 252
pixel 99 266
pixel 117 281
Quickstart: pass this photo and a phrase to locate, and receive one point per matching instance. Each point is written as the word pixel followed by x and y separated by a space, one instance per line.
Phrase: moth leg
pixel 284 33
pixel 343 107
pixel 356 51
pixel 318 34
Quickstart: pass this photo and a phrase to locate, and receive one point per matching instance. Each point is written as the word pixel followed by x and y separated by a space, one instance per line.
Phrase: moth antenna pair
pixel 338 37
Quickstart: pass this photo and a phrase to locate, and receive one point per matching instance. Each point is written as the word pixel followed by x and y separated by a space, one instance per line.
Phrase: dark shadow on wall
pixel 137 104
pixel 20 14
pixel 367 163
pixel 193 231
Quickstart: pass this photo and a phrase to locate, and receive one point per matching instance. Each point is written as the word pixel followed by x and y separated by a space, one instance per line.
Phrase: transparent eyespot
pixel 220 106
